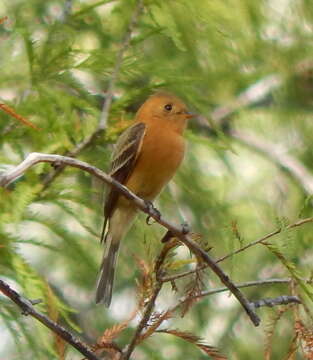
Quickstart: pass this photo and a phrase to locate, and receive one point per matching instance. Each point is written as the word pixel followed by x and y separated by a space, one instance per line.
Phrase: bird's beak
pixel 190 115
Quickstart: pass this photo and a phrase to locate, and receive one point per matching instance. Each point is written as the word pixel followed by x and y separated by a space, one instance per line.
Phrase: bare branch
pixel 280 300
pixel 28 309
pixel 35 158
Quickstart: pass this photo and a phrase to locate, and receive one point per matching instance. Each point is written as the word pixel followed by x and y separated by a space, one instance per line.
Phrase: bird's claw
pixel 152 210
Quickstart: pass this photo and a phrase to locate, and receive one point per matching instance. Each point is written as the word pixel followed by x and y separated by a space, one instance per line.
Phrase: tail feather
pixel 106 278
pixel 119 224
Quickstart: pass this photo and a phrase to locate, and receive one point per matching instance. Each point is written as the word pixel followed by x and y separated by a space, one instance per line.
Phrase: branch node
pixel 36 301
pixel 152 211
pixel 185 228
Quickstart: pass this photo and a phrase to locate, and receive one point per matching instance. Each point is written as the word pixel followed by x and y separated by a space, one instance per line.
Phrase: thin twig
pixel 48 178
pixel 223 289
pixel 246 284
pixel 35 158
pixel 280 300
pixel 28 309
pixel 258 241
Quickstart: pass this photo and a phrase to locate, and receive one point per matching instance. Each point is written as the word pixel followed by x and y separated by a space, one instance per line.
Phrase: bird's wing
pixel 124 157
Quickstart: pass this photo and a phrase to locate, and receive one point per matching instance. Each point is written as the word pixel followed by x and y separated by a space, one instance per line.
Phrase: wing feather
pixel 123 161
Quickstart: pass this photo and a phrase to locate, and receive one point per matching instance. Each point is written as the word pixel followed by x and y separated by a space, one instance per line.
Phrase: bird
pixel 145 158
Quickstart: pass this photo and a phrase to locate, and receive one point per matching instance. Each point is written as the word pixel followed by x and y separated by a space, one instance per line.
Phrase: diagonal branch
pixel 28 309
pixel 35 158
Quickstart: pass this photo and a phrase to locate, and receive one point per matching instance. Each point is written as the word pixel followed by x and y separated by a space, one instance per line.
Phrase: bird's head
pixel 164 108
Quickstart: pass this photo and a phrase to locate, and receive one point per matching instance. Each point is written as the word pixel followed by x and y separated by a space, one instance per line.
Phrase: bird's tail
pixel 106 278
pixel 119 225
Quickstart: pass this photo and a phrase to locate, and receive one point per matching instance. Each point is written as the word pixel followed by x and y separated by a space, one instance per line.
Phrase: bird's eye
pixel 168 107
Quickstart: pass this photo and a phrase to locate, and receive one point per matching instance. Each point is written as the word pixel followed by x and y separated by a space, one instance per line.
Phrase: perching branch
pixel 28 309
pixel 35 158
pixel 108 98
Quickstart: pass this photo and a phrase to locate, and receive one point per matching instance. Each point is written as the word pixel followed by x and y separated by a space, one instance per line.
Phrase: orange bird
pixel 146 157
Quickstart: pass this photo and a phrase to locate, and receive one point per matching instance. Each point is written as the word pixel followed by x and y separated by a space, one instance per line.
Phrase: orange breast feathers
pixel 161 154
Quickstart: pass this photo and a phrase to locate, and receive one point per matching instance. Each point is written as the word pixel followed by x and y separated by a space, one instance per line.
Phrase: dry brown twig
pixel 105 342
pixel 195 340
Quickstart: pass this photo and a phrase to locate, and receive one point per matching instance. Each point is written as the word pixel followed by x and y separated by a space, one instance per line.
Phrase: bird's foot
pixel 152 210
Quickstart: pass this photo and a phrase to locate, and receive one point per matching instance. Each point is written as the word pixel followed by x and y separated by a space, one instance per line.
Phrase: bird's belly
pixel 155 166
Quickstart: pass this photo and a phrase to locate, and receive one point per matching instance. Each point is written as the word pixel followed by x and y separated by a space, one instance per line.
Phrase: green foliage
pixel 55 71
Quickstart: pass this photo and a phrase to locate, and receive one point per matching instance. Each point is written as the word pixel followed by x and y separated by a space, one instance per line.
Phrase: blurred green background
pixel 246 67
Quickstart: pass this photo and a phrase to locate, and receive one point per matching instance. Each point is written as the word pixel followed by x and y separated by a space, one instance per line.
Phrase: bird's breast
pixel 161 154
